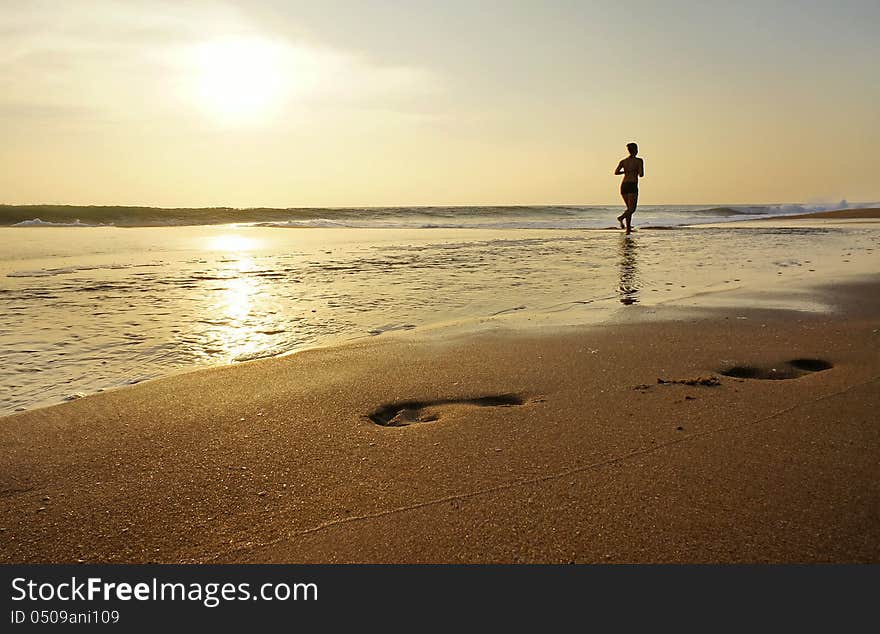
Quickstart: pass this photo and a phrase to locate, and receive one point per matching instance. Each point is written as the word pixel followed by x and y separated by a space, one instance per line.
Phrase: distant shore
pixel 841 214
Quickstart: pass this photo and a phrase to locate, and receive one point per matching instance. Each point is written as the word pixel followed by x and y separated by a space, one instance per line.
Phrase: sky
pixel 287 103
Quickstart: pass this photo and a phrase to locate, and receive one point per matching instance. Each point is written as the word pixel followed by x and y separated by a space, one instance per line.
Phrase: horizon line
pixel 430 206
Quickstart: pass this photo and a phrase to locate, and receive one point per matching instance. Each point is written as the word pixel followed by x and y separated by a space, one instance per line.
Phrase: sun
pixel 239 78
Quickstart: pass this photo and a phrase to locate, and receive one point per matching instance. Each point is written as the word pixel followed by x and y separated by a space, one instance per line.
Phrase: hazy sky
pixel 289 103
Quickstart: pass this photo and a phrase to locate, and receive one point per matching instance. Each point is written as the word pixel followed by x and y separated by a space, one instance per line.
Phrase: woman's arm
pixel 641 168
pixel 619 169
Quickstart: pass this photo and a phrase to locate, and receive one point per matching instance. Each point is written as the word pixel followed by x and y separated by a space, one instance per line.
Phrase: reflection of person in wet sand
pixel 632 169
pixel 628 287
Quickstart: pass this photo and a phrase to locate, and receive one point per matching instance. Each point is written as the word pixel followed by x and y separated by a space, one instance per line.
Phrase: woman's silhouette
pixel 632 169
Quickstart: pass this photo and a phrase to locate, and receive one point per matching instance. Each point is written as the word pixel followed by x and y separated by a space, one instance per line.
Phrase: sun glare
pixel 232 242
pixel 239 79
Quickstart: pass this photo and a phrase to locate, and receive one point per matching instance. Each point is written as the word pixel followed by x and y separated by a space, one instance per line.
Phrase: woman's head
pixel 633 148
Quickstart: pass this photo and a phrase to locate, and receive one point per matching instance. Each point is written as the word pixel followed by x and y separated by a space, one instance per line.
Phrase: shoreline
pixel 591 460
pixel 515 325
pixel 679 280
pixel 871 213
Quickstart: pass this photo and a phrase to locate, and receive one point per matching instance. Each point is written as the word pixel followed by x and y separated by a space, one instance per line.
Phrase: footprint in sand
pixel 405 413
pixel 784 370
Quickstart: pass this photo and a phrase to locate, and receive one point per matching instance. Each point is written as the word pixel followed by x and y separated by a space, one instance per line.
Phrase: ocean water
pixel 84 309
pixel 510 217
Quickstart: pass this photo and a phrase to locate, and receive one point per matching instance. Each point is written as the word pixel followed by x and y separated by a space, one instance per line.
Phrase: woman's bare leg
pixel 623 215
pixel 631 201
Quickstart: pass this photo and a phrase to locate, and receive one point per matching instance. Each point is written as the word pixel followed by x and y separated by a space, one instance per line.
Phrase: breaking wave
pixel 499 217
pixel 36 222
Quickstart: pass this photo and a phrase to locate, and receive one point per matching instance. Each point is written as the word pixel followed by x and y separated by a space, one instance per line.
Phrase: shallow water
pixel 85 309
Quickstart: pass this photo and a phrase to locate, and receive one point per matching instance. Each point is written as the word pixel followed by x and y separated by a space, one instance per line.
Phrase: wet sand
pixel 512 446
pixel 872 213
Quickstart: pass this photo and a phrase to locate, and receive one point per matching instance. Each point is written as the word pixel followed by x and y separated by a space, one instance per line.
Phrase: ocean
pixel 88 308
pixel 499 217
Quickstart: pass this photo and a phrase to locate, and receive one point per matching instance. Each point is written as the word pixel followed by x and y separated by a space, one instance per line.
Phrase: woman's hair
pixel 633 148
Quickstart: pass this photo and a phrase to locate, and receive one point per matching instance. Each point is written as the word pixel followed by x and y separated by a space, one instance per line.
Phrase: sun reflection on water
pixel 232 242
pixel 235 318
pixel 238 333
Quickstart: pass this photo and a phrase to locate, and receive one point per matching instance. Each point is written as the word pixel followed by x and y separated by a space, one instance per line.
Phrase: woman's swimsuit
pixel 629 187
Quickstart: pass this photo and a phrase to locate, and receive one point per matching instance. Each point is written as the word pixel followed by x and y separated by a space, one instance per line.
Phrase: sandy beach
pixel 868 213
pixel 676 433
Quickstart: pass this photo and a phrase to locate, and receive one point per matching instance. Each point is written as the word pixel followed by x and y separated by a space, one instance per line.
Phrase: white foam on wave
pixel 36 222
pixel 310 223
pixel 326 223
pixel 799 208
pixel 594 221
